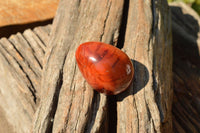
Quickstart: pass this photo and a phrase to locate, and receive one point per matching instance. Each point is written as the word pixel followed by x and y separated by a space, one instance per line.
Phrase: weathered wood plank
pixel 36 45
pixel 66 88
pixel 69 104
pixel 186 66
pixel 19 79
pixel 77 108
pixel 43 34
pixel 146 106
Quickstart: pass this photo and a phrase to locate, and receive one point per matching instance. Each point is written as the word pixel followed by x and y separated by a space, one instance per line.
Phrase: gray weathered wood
pixel 138 109
pixel 68 103
pixel 20 74
pixel 146 106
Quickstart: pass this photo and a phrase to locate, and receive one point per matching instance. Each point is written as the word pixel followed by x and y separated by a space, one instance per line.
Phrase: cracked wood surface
pixel 146 106
pixel 72 103
pixel 186 66
pixel 68 104
pixel 20 95
pixel 20 73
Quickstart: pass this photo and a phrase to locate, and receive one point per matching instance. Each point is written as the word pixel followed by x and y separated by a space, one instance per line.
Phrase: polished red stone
pixel 106 68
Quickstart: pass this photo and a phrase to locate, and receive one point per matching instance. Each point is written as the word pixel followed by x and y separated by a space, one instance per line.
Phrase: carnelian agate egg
pixel 106 68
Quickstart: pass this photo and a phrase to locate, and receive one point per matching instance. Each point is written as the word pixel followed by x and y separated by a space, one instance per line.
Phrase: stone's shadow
pixel 140 79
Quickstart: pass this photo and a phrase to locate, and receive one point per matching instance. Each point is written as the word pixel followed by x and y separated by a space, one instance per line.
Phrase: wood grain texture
pixel 68 103
pixel 45 72
pixel 5 126
pixel 146 106
pixel 20 73
pixel 19 97
pixel 186 66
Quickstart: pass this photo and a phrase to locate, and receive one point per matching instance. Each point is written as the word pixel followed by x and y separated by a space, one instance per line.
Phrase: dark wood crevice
pixel 7 54
pixel 112 114
pixel 36 57
pixel 130 104
pixel 91 118
pixel 22 92
pixel 123 25
pixel 112 100
pixel 55 103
